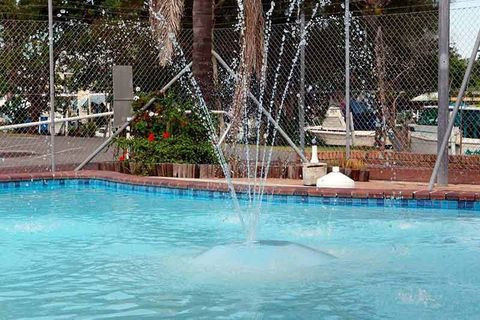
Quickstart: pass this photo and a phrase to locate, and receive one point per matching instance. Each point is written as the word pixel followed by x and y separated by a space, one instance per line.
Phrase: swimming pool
pixel 93 250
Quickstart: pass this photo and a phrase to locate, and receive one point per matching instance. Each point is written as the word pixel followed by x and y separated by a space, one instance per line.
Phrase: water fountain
pixel 254 254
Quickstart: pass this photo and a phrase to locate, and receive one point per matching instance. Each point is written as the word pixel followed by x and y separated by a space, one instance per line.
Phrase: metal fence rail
pixel 393 85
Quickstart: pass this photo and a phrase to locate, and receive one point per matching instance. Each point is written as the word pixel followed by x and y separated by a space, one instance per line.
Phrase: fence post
pixel 347 79
pixel 52 84
pixel 443 86
pixel 458 102
pixel 301 107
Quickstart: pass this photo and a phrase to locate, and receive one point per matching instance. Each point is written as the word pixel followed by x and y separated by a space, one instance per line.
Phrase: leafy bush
pixel 83 130
pixel 167 132
pixel 16 110
pixel 88 129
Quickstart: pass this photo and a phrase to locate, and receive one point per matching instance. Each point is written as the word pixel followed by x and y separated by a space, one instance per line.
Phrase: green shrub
pixel 83 130
pixel 88 129
pixel 167 133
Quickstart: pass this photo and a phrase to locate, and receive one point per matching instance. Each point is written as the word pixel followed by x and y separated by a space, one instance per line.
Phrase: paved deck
pixel 33 151
pixel 377 184
pixel 373 189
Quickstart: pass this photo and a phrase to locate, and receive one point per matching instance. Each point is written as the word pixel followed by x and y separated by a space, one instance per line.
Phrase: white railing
pixel 59 120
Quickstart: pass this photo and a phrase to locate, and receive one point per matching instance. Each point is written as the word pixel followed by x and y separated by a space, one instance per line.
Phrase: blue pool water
pixel 96 252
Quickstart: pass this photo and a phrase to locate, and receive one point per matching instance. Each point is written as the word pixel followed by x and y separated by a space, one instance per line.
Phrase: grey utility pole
pixel 458 102
pixel 443 86
pixel 347 79
pixel 52 83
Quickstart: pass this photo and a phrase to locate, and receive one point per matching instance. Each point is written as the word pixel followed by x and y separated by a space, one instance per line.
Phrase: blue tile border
pixel 51 184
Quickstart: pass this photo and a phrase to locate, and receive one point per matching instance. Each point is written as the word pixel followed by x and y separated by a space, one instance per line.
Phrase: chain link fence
pixel 393 71
pixel 84 58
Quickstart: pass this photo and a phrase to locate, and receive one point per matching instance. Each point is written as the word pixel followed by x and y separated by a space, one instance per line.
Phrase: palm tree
pixel 202 66
pixel 167 18
pixel 203 14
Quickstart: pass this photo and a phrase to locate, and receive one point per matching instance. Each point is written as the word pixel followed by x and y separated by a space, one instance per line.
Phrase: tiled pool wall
pixel 98 183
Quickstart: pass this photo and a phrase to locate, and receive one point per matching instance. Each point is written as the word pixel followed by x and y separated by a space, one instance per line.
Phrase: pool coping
pixel 211 185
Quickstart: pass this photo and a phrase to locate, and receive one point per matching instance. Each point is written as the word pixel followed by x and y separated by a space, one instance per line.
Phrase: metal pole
pixel 265 112
pixel 443 87
pixel 224 135
pixel 279 129
pixel 127 123
pixel 174 79
pixel 451 123
pixel 301 107
pixel 347 78
pixel 52 83
pixel 116 133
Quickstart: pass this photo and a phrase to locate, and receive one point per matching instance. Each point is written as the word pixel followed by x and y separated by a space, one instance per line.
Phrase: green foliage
pixel 458 66
pixel 90 11
pixel 167 132
pixel 88 129
pixel 84 130
pixel 15 111
pixel 173 150
pixel 168 114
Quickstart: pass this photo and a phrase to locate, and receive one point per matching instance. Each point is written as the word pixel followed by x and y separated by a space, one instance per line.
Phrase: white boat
pixel 424 140
pixel 333 131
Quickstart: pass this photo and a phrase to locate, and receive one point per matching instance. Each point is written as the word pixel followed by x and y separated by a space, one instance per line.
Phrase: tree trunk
pixel 202 47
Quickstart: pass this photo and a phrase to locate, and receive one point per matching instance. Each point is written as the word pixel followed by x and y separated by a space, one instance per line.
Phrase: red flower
pixel 166 135
pixel 151 137
pixel 121 158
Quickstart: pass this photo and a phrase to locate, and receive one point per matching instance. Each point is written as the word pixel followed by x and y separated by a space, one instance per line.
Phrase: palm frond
pixel 251 56
pixel 171 12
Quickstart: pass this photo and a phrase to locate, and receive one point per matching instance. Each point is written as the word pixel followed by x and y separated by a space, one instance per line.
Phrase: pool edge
pixel 281 190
